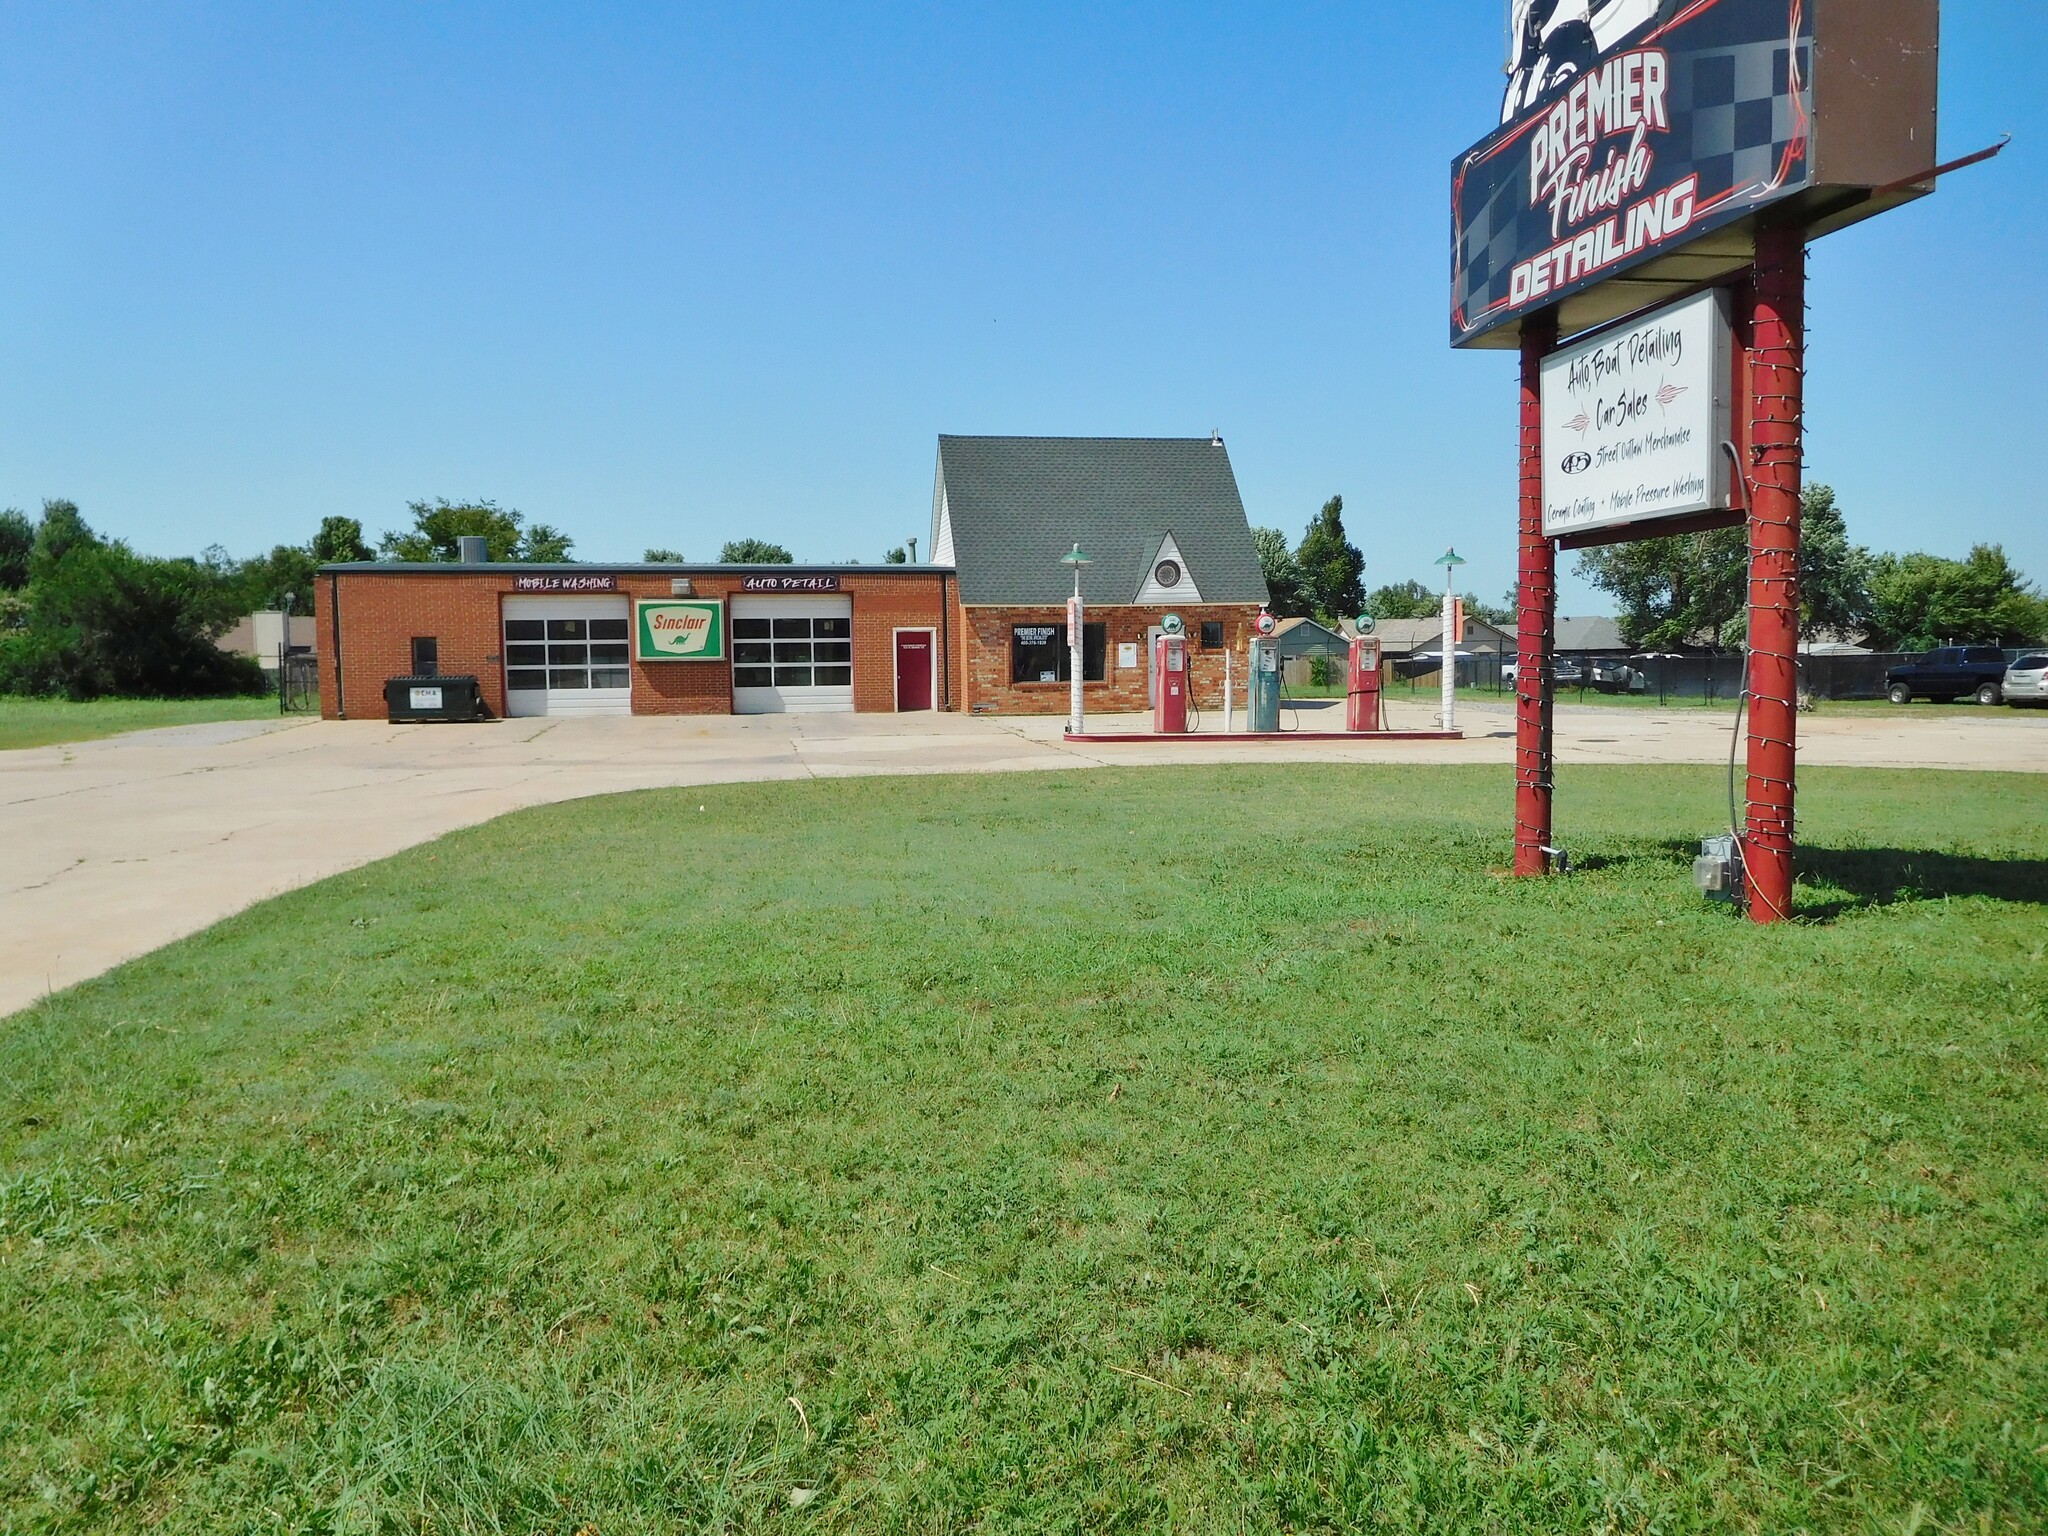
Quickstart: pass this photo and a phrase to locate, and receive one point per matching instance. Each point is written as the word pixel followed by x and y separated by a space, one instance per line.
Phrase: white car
pixel 2026 680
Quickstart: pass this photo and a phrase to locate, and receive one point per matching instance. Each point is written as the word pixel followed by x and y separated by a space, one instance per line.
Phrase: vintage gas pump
pixel 1364 709
pixel 1262 677
pixel 1170 677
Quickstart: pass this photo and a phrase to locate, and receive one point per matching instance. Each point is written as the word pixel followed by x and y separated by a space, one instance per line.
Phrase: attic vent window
pixel 1167 573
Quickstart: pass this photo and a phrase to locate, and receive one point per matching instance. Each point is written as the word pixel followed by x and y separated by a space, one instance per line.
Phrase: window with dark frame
pixel 1212 634
pixel 815 652
pixel 1039 654
pixel 566 653
pixel 426 656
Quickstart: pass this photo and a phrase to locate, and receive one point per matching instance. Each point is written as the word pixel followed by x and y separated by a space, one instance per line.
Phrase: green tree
pixel 61 529
pixel 1331 565
pixel 545 544
pixel 438 524
pixel 101 619
pixel 754 552
pixel 663 556
pixel 17 543
pixel 1404 600
pixel 1920 601
pixel 896 556
pixel 1500 615
pixel 1834 575
pixel 1283 577
pixel 265 581
pixel 1674 591
pixel 340 542
pixel 1694 588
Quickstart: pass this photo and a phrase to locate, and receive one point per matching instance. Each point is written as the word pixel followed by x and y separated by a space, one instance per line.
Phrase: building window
pixel 1212 634
pixel 1039 654
pixel 426 656
pixel 566 653
pixel 802 652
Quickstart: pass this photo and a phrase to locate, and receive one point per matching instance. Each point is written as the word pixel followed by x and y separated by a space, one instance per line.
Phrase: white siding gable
pixel 942 541
pixel 1182 591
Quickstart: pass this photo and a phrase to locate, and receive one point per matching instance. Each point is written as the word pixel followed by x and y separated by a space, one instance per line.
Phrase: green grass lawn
pixel 1209 1149
pixel 44 722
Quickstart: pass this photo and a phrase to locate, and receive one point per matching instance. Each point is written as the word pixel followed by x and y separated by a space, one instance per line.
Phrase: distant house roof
pixel 1004 509
pixel 1594 634
pixel 1305 637
pixel 1399 637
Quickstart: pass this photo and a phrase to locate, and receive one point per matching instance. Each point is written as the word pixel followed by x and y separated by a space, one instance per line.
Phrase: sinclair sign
pixel 1642 139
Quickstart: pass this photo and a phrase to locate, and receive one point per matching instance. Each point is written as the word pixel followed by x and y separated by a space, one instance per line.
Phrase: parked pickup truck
pixel 1949 673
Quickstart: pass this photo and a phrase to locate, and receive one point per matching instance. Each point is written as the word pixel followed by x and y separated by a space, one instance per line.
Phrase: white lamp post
pixel 1450 560
pixel 1076 559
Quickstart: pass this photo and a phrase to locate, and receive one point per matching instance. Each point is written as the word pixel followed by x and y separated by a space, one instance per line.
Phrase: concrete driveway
pixel 111 848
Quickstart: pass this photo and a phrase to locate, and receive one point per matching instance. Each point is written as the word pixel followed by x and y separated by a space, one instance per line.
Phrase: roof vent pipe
pixel 473 549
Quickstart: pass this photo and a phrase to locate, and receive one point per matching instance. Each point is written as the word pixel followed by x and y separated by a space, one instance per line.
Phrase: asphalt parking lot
pixel 115 847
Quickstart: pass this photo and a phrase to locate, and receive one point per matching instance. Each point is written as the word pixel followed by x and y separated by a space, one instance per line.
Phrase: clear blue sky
pixel 668 274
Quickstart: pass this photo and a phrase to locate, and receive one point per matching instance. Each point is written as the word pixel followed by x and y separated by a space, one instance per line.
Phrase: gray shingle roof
pixel 1589 634
pixel 1016 504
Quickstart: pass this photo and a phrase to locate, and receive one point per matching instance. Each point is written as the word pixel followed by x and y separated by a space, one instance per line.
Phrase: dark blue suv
pixel 1949 673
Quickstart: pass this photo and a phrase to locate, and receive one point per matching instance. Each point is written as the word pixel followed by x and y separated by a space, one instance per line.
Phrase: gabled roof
pixel 1007 508
pixel 1596 634
pixel 1397 637
pixel 1400 637
pixel 1305 637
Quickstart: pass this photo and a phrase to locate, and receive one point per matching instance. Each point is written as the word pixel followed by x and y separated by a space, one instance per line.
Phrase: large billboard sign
pixel 1634 419
pixel 1642 138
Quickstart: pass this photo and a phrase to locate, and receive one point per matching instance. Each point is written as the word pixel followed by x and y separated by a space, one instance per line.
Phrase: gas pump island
pixel 1175 714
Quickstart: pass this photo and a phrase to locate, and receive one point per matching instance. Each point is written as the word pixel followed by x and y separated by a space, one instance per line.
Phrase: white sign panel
pixel 426 698
pixel 1634 419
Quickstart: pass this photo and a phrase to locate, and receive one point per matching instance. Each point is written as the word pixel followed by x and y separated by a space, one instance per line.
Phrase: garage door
pixel 792 655
pixel 567 656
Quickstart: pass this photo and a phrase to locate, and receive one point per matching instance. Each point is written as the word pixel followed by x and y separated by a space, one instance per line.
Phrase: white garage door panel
pixel 567 656
pixel 792 655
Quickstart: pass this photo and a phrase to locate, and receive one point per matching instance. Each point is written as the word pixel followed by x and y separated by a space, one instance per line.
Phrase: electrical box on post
pixel 1170 684
pixel 1363 706
pixel 1717 872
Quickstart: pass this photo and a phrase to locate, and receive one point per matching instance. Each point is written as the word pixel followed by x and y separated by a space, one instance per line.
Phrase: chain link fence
pixel 1669 679
pixel 298 683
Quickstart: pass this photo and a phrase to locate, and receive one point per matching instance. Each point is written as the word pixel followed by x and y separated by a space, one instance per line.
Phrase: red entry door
pixel 913 669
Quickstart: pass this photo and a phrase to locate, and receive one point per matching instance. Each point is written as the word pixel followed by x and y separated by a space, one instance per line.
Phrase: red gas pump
pixel 1170 674
pixel 1363 708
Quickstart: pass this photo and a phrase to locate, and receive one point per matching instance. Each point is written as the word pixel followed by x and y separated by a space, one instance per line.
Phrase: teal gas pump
pixel 1262 678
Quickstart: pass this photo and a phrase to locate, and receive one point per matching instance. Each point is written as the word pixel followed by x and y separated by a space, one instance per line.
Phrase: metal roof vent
pixel 473 549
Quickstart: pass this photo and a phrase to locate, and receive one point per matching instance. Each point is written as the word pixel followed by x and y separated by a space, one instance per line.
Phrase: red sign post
pixel 1700 150
pixel 1777 305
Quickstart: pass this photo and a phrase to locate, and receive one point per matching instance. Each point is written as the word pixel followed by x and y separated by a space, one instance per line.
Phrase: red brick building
pixel 1165 532
pixel 584 639
pixel 1160 519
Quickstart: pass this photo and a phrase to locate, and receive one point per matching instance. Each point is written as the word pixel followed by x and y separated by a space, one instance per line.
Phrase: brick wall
pixel 381 612
pixel 985 662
